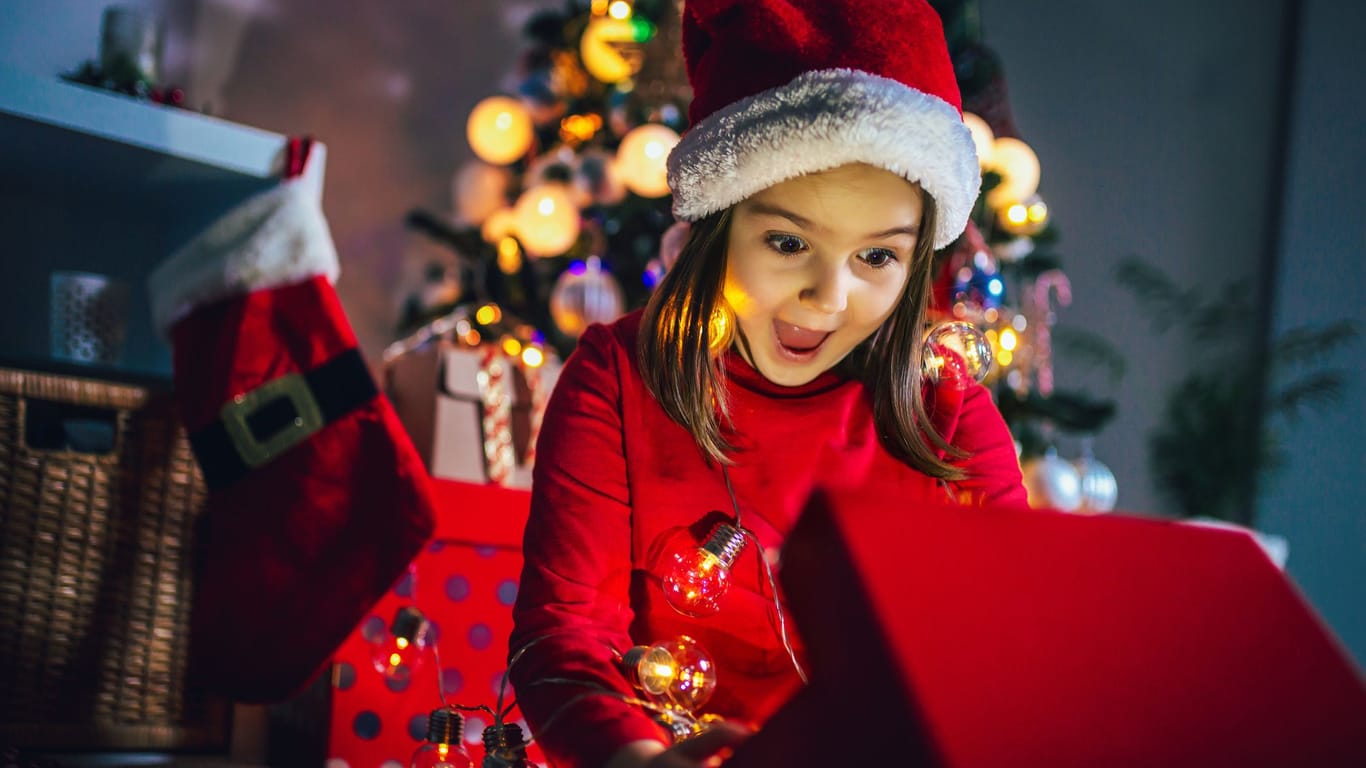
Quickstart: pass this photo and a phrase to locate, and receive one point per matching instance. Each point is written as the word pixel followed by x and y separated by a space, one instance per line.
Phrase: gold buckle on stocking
pixel 308 418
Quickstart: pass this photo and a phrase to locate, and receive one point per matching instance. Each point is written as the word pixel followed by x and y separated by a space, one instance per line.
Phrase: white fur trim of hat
pixel 820 120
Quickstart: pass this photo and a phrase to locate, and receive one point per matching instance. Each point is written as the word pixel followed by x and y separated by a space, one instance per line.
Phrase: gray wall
pixel 1317 501
pixel 1154 127
pixel 1154 123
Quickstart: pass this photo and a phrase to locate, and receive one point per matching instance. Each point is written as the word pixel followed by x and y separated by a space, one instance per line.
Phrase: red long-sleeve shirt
pixel 619 487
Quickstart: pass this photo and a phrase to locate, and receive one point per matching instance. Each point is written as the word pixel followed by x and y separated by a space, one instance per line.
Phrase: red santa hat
pixel 783 88
pixel 317 499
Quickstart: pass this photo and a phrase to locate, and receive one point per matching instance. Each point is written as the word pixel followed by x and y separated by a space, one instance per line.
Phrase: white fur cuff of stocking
pixel 273 239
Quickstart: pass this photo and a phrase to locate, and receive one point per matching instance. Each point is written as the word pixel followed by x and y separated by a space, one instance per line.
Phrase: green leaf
pixel 1304 345
pixel 1224 318
pixel 1069 411
pixel 1212 440
pixel 1316 391
pixel 1204 452
pixel 1037 263
pixel 1158 295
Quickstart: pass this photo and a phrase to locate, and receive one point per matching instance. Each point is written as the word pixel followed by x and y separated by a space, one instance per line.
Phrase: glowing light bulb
pixel 610 48
pixel 532 357
pixel 499 130
pixel 956 354
pixel 546 220
pixel 982 137
pixel 443 747
pixel 509 255
pixel 678 671
pixel 1038 211
pixel 698 578
pixel 478 190
pixel 488 314
pixel 399 650
pixel 650 668
pixel 576 129
pixel 1026 217
pixel 500 225
pixel 1009 340
pixel 642 159
pixel 695 674
pixel 1019 169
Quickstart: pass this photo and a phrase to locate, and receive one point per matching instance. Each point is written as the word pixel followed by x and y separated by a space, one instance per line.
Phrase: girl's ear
pixel 671 243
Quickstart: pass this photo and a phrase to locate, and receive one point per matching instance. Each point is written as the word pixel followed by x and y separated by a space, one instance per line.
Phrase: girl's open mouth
pixel 796 343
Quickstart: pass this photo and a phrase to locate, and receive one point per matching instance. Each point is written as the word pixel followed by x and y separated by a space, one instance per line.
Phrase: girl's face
pixel 815 264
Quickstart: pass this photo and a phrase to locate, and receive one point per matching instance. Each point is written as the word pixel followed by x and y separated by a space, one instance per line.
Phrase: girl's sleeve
pixel 573 602
pixel 993 468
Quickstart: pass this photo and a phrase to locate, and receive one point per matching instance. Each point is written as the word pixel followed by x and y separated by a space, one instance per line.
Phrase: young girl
pixel 826 161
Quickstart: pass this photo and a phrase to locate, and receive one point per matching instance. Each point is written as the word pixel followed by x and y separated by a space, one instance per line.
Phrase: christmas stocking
pixel 317 499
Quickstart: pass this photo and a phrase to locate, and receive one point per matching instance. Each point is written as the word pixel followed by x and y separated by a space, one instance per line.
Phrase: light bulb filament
pixel 698 578
pixel 678 671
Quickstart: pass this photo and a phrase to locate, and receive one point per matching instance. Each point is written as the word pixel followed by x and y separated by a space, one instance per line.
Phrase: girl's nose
pixel 827 291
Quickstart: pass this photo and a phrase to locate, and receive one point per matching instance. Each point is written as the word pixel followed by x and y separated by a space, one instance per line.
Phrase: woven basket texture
pixel 95 577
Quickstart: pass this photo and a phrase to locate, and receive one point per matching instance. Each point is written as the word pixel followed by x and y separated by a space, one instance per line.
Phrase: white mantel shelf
pixel 102 182
pixel 161 129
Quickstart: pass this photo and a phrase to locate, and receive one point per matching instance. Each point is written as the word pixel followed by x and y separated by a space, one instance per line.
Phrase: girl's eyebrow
pixel 768 209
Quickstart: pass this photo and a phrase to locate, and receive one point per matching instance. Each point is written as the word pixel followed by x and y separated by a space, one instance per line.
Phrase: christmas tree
pixel 1005 276
pixel 558 223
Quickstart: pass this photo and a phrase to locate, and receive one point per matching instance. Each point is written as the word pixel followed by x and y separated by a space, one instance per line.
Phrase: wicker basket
pixel 94 569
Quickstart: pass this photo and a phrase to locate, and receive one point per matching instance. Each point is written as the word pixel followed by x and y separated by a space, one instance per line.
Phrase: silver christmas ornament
pixel 1052 482
pixel 584 294
pixel 1099 490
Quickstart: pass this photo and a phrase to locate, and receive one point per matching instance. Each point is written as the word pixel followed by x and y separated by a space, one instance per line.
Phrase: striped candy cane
pixel 1056 282
pixel 494 391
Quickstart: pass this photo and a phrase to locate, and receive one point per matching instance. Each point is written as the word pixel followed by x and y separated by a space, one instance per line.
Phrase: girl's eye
pixel 877 257
pixel 786 243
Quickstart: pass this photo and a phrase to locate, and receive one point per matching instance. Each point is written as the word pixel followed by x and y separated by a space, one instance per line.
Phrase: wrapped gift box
pixel 472 412
pixel 465 583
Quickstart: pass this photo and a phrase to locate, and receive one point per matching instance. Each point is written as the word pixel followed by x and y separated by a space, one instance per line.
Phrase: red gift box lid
pixel 971 637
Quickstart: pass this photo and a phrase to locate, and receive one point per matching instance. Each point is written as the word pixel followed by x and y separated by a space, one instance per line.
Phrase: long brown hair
pixel 688 382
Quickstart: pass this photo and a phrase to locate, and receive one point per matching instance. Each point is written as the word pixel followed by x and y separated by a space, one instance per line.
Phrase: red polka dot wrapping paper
pixel 465 582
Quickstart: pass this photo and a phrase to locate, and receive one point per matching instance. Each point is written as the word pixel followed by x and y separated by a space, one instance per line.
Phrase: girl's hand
pixel 695 752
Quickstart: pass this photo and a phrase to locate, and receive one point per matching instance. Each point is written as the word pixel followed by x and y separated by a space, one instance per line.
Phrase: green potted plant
pixel 1224 422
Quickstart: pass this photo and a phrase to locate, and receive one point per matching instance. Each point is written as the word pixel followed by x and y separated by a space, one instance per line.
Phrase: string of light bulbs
pixel 678 670
pixel 398 653
pixel 768 571
pixel 678 721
